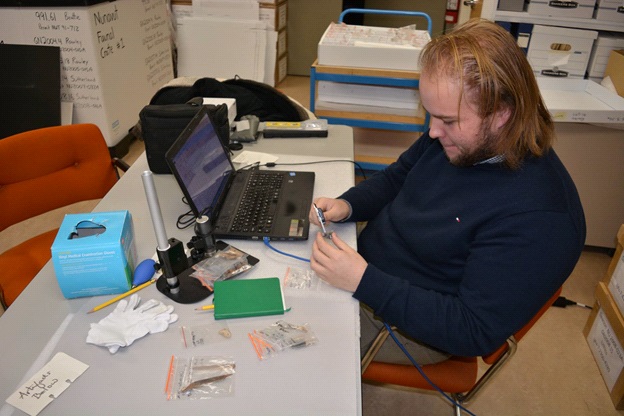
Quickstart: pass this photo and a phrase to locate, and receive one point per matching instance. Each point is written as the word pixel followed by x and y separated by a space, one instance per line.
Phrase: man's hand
pixel 334 210
pixel 339 265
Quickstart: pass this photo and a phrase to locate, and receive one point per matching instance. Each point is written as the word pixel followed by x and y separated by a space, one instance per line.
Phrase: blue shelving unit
pixel 369 76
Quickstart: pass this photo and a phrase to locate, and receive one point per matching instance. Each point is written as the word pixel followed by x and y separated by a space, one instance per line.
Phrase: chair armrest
pixel 3 304
pixel 120 164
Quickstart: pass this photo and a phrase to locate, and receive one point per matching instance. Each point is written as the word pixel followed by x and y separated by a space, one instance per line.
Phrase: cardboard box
pixel 276 14
pixel 604 332
pixel 583 9
pixel 560 52
pixel 604 329
pixel 615 274
pixel 282 43
pixel 610 11
pixel 615 70
pixel 114 56
pixel 281 68
pixel 94 254
pixel 371 47
pixel 605 43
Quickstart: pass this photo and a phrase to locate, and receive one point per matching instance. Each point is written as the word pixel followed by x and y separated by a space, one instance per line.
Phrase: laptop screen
pixel 202 164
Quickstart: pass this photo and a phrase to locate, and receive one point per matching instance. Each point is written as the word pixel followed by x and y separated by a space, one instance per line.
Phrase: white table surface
pixel 320 379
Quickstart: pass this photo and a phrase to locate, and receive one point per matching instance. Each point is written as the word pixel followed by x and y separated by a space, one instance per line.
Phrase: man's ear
pixel 501 118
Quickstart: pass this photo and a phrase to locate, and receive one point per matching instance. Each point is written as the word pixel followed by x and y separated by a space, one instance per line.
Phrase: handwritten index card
pixel 47 384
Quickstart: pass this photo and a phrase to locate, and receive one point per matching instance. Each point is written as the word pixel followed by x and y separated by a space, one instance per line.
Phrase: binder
pixel 248 297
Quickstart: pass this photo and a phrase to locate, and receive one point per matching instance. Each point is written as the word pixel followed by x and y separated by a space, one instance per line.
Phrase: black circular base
pixel 191 289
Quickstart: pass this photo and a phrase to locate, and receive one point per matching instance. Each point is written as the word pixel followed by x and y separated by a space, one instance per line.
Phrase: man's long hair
pixel 496 76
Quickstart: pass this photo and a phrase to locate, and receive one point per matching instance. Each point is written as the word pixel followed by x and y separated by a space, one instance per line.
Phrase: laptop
pixel 245 204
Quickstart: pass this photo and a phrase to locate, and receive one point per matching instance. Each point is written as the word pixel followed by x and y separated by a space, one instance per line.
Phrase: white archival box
pixel 371 47
pixel 357 98
pixel 610 11
pixel 605 43
pixel 583 9
pixel 556 48
pixel 581 101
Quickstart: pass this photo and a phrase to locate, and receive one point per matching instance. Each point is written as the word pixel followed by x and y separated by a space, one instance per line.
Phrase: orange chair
pixel 42 170
pixel 456 376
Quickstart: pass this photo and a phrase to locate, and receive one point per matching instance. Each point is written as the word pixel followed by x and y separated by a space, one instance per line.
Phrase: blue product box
pixel 94 254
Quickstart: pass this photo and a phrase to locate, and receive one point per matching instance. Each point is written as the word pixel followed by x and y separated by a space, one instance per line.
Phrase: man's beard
pixel 485 150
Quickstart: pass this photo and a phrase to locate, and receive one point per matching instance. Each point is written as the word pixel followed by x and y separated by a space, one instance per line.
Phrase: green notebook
pixel 248 297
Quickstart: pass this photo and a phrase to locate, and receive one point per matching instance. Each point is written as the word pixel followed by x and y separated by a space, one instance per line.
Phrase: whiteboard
pixel 114 56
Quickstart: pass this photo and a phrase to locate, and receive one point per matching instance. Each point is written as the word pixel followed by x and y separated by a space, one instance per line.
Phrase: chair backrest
pixel 492 357
pixel 48 168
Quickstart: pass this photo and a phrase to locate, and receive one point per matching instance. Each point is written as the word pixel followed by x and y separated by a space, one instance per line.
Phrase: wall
pixel 435 9
pixel 307 20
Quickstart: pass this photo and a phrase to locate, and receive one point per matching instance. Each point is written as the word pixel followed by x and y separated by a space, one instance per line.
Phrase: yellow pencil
pixel 205 308
pixel 123 295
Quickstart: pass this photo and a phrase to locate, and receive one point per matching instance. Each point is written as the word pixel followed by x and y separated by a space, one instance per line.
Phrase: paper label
pixel 606 349
pixel 47 384
pixel 616 284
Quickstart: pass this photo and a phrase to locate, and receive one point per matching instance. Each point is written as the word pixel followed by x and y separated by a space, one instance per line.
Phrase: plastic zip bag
pixel 200 377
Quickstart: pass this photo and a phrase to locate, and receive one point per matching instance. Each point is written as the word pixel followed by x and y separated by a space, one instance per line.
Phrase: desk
pixel 321 379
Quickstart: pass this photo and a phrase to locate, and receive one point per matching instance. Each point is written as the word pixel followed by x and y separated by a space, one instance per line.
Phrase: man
pixel 476 225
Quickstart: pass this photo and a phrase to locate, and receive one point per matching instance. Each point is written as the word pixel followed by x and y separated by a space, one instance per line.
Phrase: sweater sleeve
pixel 512 270
pixel 369 197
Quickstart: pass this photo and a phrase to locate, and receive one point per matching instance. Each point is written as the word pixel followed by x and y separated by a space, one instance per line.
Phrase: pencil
pixel 205 308
pixel 123 295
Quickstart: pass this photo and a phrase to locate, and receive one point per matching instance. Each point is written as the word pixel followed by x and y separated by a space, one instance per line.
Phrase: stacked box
pixel 511 5
pixel 560 52
pixel 604 330
pixel 610 11
pixel 281 68
pixel 282 43
pixel 372 47
pixel 605 43
pixel 583 9
pixel 275 14
pixel 615 70
pixel 615 273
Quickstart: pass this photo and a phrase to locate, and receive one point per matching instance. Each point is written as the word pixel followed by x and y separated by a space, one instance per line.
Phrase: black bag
pixel 252 98
pixel 162 124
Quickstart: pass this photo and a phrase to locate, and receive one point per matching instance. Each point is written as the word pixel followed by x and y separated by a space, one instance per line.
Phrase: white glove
pixel 128 323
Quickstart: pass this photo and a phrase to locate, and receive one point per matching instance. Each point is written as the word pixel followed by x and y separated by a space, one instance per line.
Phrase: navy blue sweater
pixel 462 257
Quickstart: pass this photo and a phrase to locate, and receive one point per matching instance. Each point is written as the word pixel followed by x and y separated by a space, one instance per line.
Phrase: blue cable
pixel 266 243
pixel 422 373
pixel 390 331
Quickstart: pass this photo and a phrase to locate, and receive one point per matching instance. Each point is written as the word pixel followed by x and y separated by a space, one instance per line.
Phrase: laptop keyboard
pixel 258 205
